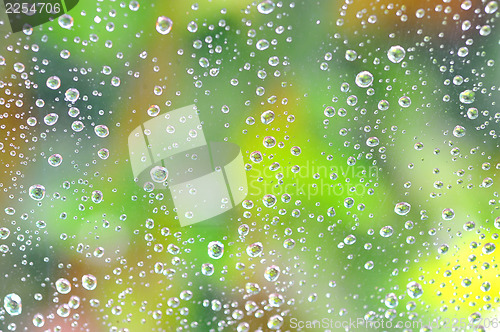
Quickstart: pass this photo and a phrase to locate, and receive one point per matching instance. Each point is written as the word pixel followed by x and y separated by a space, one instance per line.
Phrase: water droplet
pixel 448 214
pixel 203 62
pixel 329 111
pixel 396 54
pixel 295 150
pixel 4 233
pixel 19 67
pixel 53 82
pixel 159 174
pixel 497 222
pixel 243 230
pixel 369 265
pixel 101 130
pixel 491 7
pixel 391 300
pixel 55 160
pixel 255 249
pixel 38 320
pixel 402 208
pixel 63 310
pixel 459 131
pixel 72 95
pixel 37 192
pixel 414 290
pixel 386 231
pixel 269 200
pixel 466 282
pixel 256 156
pixel 267 117
pixel 349 202
pixel 351 55
pixel 215 249
pixel 467 96
pixel 420 13
pixel 272 273
pixel 97 196
pixel 77 126
pixel 404 101
pixel 207 269
pixel 63 286
pixel 269 142
pixel 50 119
pixel 364 79
pixel 266 7
pixel 275 322
pixel 163 25
pixel 289 244
pixel 12 304
pixel 472 113
pixel 350 239
pixel 485 286
pixel 65 21
pixel 89 282
pixel 153 110
pixel 488 248
pixel 443 249
pixel 372 142
pixel 103 153
pixel 192 27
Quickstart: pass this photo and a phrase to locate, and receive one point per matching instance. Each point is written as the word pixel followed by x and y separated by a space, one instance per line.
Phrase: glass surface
pixel 230 165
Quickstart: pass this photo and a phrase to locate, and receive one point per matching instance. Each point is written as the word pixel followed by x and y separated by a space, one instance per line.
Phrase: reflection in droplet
pixel 396 54
pixel 12 304
pixel 163 25
pixel 215 249
pixel 89 282
pixel 37 192
pixel 266 7
pixel 414 290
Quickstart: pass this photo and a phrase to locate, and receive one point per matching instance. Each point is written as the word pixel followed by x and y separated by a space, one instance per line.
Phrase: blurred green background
pixel 149 275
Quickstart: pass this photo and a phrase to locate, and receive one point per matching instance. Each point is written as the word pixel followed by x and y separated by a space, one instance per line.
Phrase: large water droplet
pixel 266 7
pixel 65 21
pixel 459 131
pixel 63 286
pixel 53 82
pixel 402 208
pixel 364 79
pixel 37 192
pixel 215 249
pixel 12 304
pixel 89 282
pixel 267 117
pixel 163 25
pixel 50 119
pixel 396 54
pixel 414 290
pixel 269 200
pixel 101 130
pixel 55 160
pixel 467 96
pixel 159 174
pixel 255 249
pixel 448 214
pixel 272 273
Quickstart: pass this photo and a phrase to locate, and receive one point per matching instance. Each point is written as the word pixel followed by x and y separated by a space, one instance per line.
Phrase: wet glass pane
pixel 230 165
